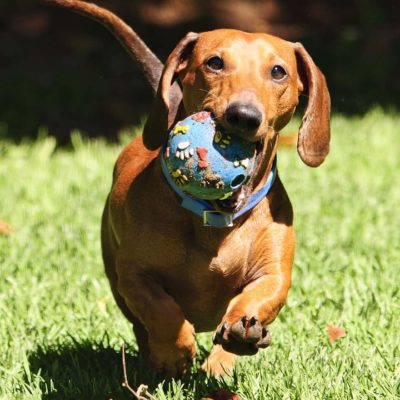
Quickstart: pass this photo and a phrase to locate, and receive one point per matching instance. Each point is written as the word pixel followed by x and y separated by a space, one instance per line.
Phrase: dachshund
pixel 170 274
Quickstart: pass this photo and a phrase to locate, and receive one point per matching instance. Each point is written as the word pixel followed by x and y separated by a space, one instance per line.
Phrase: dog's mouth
pixel 239 198
pixel 233 203
pixel 245 133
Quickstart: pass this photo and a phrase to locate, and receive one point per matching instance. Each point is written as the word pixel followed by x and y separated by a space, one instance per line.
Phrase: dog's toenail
pixel 225 331
pixel 264 332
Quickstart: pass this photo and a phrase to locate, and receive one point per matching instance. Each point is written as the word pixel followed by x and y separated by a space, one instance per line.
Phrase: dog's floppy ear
pixel 314 133
pixel 169 95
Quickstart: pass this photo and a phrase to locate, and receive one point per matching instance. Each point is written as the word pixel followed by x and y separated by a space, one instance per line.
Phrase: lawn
pixel 61 333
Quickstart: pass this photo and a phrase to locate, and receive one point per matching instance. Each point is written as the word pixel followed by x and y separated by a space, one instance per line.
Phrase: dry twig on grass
pixel 141 393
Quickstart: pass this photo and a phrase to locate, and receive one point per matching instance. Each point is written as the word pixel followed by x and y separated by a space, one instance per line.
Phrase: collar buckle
pixel 225 219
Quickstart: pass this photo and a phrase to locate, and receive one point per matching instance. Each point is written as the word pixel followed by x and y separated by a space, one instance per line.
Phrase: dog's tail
pixel 147 61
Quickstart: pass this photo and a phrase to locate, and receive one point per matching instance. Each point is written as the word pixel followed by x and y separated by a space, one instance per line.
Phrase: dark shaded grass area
pixel 89 370
pixel 99 376
pixel 65 72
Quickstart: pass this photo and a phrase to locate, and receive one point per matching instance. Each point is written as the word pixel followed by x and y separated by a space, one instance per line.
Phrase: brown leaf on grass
pixel 335 333
pixel 222 394
pixel 5 229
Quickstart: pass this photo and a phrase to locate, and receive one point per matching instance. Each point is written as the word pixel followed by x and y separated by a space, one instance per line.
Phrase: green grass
pixel 60 331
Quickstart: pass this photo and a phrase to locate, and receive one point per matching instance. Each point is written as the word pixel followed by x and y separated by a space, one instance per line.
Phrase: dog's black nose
pixel 243 116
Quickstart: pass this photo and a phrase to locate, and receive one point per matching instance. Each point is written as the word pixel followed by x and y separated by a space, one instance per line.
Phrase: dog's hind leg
pixel 171 338
pixel 109 249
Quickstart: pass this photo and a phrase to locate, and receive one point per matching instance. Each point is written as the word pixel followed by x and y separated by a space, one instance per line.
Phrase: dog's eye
pixel 215 63
pixel 278 73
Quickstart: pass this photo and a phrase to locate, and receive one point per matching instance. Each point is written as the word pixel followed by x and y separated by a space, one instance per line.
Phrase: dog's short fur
pixel 169 274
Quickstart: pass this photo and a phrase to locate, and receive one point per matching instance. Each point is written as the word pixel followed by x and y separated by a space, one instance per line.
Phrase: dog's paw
pixel 219 362
pixel 243 337
pixel 173 358
pixel 171 361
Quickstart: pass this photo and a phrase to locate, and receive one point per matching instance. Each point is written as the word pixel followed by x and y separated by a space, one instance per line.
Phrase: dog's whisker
pixel 208 92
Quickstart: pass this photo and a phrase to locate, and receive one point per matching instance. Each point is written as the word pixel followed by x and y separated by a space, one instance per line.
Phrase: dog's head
pixel 251 83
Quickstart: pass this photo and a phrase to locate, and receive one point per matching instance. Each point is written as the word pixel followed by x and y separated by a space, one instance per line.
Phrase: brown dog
pixel 171 275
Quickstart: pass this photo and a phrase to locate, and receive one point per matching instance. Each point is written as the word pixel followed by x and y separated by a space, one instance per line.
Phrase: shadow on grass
pixel 94 371
pixel 87 371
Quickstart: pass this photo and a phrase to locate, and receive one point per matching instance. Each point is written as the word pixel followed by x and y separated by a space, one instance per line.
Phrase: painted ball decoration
pixel 205 162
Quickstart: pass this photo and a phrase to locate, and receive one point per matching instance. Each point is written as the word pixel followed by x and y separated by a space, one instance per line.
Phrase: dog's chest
pixel 201 275
pixel 186 255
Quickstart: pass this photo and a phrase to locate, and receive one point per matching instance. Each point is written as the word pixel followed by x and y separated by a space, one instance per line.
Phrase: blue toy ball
pixel 204 162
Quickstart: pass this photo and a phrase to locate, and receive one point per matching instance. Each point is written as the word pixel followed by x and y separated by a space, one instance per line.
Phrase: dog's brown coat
pixel 171 275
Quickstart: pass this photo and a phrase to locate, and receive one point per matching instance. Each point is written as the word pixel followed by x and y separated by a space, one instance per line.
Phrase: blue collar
pixel 205 210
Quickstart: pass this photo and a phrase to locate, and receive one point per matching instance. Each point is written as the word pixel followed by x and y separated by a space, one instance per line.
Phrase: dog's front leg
pixel 243 329
pixel 171 339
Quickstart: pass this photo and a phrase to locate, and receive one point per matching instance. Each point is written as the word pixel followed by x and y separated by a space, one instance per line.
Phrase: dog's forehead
pixel 239 42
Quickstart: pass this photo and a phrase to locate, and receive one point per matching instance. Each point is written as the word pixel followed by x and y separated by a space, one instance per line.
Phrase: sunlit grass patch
pixel 60 331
